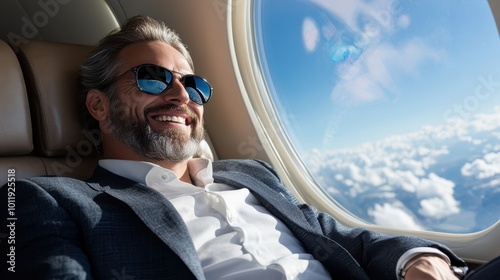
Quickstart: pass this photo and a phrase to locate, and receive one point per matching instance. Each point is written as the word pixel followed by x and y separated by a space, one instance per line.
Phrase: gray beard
pixel 171 145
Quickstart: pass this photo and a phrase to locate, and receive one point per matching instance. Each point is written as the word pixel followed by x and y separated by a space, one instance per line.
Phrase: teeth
pixel 171 119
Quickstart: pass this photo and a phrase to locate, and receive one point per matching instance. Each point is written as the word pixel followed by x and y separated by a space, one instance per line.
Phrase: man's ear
pixel 97 104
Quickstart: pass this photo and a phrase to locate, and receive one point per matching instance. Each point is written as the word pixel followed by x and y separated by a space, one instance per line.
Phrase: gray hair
pixel 99 70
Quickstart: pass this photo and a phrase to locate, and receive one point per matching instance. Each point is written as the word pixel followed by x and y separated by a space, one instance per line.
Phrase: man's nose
pixel 176 93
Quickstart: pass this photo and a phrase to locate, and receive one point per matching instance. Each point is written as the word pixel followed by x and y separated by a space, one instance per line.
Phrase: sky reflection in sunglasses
pixel 154 79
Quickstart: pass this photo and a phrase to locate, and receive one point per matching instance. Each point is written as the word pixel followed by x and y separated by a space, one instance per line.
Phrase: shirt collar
pixel 200 170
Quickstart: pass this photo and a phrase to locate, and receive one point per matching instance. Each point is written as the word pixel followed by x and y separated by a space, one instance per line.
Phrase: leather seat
pixel 51 75
pixel 16 141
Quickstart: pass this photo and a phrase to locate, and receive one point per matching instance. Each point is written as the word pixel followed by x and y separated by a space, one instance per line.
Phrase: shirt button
pixel 164 176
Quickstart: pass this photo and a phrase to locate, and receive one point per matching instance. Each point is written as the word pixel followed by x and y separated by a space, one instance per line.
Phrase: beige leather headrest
pixel 15 124
pixel 51 73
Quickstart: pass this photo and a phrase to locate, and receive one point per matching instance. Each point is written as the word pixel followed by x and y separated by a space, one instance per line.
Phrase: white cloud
pixel 487 122
pixel 438 201
pixel 438 208
pixel 392 215
pixel 435 186
pixel 489 184
pixel 402 179
pixel 483 168
pixel 310 34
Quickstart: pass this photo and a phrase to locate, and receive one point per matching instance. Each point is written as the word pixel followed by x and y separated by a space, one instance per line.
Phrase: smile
pixel 175 119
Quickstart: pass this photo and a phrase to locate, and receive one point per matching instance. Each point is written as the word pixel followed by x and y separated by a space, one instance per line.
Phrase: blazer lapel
pixel 155 211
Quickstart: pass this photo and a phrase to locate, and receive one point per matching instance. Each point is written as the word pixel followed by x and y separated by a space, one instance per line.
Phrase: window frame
pixel 475 247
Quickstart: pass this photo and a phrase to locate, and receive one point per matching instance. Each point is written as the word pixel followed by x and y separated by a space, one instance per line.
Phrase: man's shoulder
pixel 52 180
pixel 245 168
pixel 240 165
pixel 37 191
pixel 51 184
pixel 65 184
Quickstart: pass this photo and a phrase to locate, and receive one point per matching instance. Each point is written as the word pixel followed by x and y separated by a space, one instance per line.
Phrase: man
pixel 152 211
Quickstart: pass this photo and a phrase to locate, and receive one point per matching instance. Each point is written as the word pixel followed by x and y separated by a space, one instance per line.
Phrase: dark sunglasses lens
pixel 153 79
pixel 199 89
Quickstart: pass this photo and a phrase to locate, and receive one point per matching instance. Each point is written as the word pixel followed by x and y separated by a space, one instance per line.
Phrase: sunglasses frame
pixel 169 85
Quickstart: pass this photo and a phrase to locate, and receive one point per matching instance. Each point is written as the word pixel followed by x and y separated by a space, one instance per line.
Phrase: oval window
pixel 393 106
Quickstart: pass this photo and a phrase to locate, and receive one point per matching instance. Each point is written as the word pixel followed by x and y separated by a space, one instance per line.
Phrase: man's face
pixel 168 126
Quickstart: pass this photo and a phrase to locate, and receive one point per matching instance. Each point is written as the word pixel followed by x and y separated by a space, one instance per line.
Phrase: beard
pixel 170 144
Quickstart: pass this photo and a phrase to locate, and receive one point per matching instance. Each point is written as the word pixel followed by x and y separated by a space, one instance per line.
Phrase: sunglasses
pixel 154 79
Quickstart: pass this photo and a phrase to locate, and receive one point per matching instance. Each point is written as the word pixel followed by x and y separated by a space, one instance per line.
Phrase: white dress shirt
pixel 235 237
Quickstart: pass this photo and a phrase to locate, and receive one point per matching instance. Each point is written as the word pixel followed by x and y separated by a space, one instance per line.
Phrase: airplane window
pixel 393 106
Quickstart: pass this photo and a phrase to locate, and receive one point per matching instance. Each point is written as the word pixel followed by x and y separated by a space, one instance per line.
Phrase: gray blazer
pixel 110 227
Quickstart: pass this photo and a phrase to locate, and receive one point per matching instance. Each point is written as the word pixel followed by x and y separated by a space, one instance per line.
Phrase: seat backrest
pixel 16 142
pixel 51 75
pixel 41 133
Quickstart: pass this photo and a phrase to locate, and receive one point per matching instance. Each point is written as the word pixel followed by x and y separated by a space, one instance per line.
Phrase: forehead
pixel 153 52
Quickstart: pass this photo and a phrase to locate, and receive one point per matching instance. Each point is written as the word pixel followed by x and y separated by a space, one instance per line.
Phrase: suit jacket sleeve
pixel 377 253
pixel 47 239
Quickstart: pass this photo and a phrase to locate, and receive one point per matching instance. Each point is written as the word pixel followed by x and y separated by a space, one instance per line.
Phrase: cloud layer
pixel 433 179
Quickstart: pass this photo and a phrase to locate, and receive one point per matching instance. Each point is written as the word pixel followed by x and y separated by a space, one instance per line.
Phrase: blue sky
pixel 348 72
